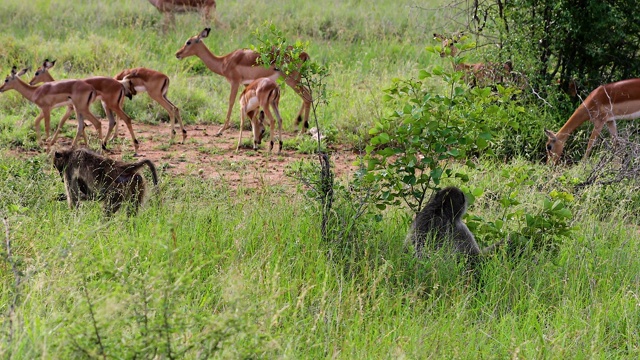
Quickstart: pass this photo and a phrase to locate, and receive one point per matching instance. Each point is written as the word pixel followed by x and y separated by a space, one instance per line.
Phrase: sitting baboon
pixel 441 220
pixel 90 175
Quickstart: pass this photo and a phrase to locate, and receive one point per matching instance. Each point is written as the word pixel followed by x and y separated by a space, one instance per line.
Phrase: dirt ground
pixel 208 156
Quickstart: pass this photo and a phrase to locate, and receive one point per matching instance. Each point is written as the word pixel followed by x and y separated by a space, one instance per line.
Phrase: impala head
pixel 258 128
pixel 554 147
pixel 42 73
pixel 127 84
pixel 192 44
pixel 11 79
pixel 447 43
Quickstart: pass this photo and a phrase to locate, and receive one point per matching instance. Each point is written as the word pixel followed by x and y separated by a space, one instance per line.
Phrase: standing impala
pixel 478 74
pixel 156 84
pixel 56 94
pixel 241 68
pixel 262 93
pixel 111 93
pixel 606 104
pixel 168 7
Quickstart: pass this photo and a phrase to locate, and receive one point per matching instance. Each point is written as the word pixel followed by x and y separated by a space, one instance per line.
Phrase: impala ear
pixel 550 134
pixel 204 33
pixel 23 71
pixel 48 64
pixel 14 70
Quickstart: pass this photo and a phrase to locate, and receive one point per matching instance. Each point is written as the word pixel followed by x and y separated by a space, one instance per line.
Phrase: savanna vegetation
pixel 217 270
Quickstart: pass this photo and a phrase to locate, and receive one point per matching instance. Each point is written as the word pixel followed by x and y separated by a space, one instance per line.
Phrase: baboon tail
pixel 152 167
pixel 154 173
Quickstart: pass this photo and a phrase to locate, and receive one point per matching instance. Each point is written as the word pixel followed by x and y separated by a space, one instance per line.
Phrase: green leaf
pixel 384 138
pixel 423 74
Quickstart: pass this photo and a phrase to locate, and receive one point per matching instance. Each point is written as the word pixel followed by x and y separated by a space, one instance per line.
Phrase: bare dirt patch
pixel 208 156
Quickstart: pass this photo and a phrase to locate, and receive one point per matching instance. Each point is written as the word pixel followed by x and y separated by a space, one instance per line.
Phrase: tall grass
pixel 364 46
pixel 213 272
pixel 206 270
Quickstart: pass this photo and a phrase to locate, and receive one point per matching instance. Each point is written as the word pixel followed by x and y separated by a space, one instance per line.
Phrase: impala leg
pixel 303 115
pixel 94 121
pixel 613 130
pixel 178 117
pixel 113 124
pixel 242 114
pixel 36 125
pixel 279 118
pixel 173 111
pixel 80 129
pixel 110 129
pixel 592 139
pixel 272 122
pixel 232 100
pixel 169 21
pixel 64 119
pixel 127 120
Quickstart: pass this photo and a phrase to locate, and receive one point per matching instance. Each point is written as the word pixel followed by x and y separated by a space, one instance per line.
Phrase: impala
pixel 478 74
pixel 241 67
pixel 109 91
pixel 262 93
pixel 168 7
pixel 156 84
pixel 56 94
pixel 604 105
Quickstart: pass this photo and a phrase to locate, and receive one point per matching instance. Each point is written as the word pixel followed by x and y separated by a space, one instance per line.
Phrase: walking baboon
pixel 110 181
pixel 441 220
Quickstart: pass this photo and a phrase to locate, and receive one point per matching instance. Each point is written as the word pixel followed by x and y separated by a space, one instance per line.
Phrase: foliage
pixel 527 231
pixel 412 149
pixel 563 40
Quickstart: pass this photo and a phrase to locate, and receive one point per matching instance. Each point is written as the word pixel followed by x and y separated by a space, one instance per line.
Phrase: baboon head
pixel 452 203
pixel 61 159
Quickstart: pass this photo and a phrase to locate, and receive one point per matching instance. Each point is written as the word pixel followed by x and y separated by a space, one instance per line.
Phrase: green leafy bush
pixel 412 149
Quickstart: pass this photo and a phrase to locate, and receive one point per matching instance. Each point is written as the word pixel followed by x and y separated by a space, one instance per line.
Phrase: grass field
pixel 212 270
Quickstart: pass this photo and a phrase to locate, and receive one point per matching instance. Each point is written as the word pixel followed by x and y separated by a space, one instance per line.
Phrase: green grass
pixel 244 273
pixel 363 46
pixel 210 270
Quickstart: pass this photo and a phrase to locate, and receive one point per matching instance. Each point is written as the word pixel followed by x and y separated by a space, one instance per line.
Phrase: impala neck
pixel 25 89
pixel 579 117
pixel 46 77
pixel 214 63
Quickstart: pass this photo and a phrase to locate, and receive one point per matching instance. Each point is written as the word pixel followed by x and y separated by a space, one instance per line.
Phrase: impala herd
pixel 603 106
pixel 239 67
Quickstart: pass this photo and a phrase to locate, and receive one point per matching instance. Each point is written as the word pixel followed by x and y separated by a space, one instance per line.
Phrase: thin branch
pixel 93 320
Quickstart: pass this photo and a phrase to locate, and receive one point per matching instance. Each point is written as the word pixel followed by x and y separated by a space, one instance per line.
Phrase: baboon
pixel 90 175
pixel 441 220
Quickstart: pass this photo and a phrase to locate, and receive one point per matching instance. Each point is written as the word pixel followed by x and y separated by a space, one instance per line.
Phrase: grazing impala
pixel 56 94
pixel 241 68
pixel 478 74
pixel 261 93
pixel 111 93
pixel 156 84
pixel 606 104
pixel 168 7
